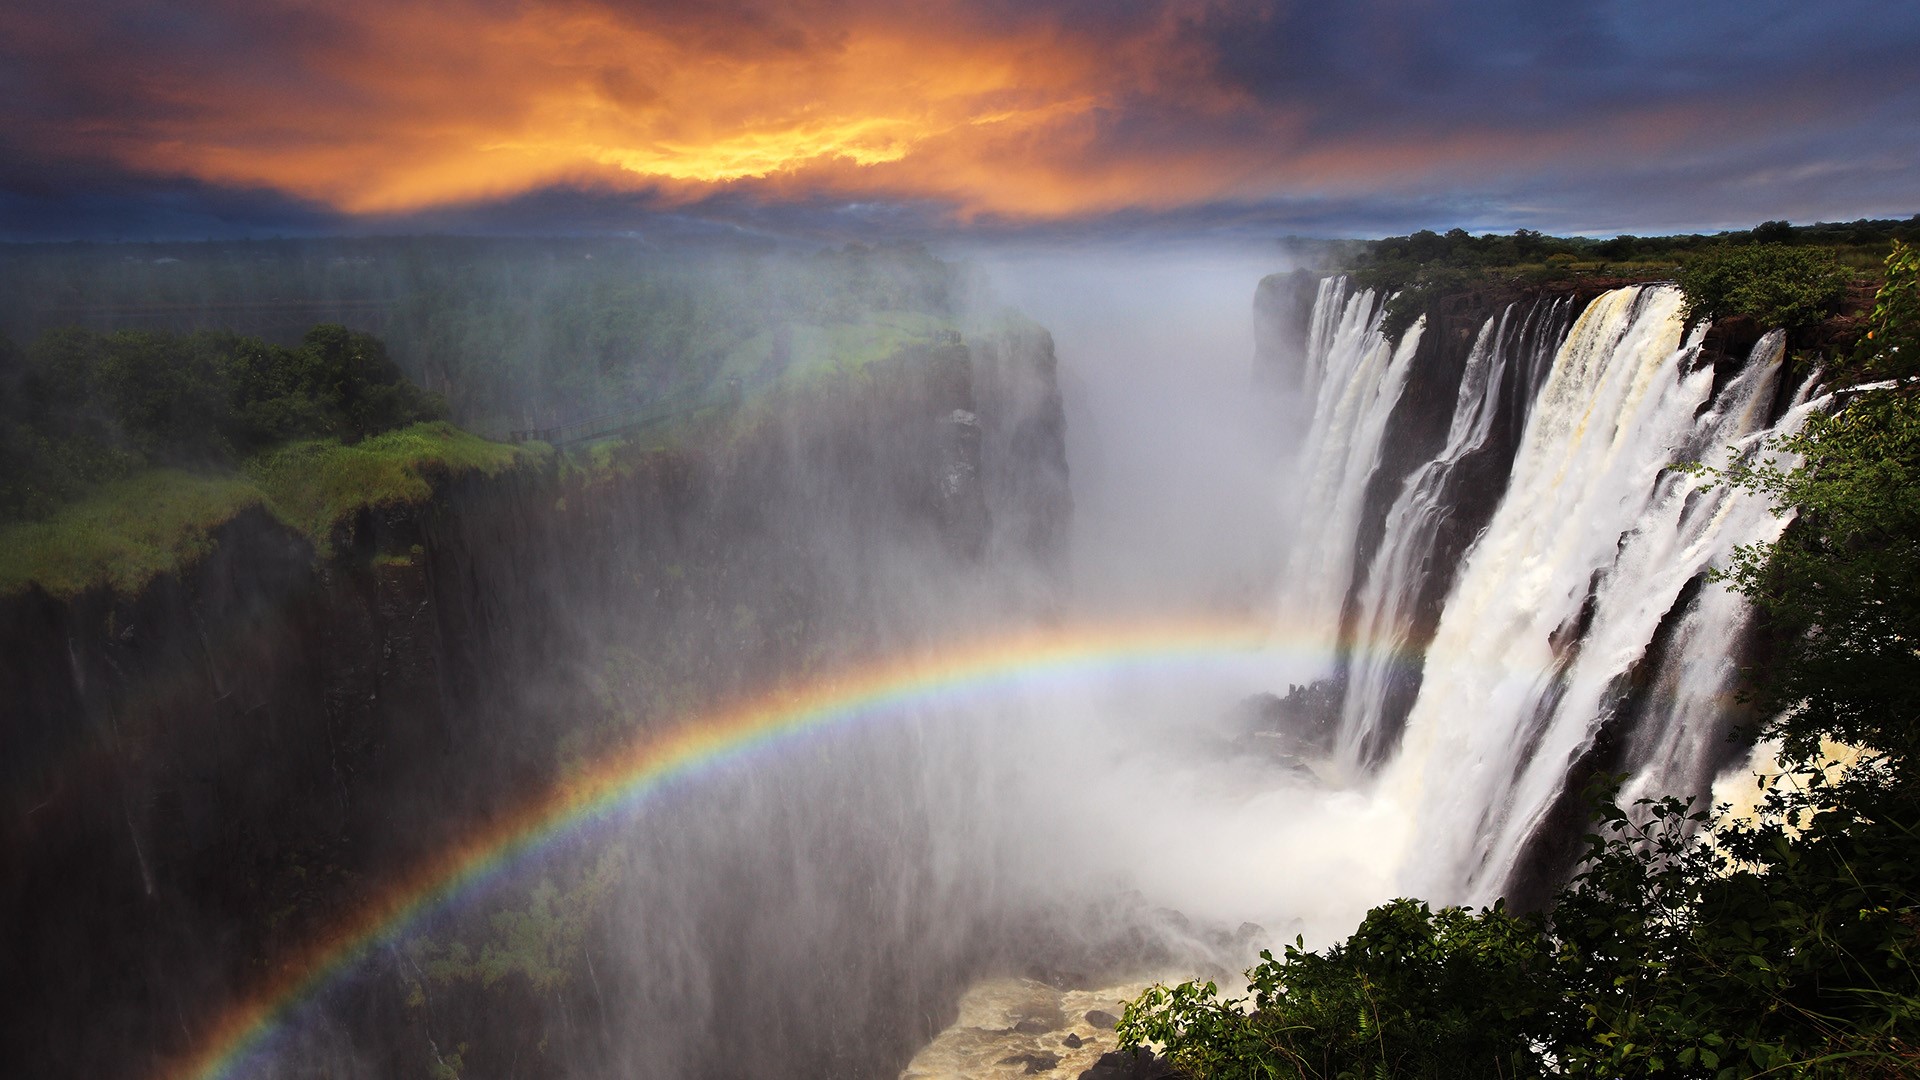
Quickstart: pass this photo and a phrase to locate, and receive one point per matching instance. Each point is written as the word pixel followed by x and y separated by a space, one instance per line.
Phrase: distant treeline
pixel 512 333
pixel 78 407
pixel 1459 248
pixel 1812 263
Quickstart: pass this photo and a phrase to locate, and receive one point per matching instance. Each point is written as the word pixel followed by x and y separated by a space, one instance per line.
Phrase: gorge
pixel 1449 576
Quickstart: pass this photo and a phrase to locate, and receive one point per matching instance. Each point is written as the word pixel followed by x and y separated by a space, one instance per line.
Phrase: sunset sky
pixel 144 119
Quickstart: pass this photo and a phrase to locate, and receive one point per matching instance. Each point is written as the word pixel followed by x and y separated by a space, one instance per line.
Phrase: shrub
pixel 1414 992
pixel 1890 348
pixel 1773 284
pixel 1784 947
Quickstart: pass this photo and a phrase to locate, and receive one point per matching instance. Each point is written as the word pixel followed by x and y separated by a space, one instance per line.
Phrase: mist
pixel 1181 465
pixel 850 483
pixel 847 542
pixel 830 462
pixel 1177 498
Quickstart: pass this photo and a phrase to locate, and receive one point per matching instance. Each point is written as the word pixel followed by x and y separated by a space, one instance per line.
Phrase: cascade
pixel 1355 374
pixel 1573 631
pixel 1675 755
pixel 1388 621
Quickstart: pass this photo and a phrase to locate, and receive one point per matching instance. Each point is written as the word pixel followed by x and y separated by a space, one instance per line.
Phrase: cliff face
pixel 1282 315
pixel 1023 456
pixel 200 777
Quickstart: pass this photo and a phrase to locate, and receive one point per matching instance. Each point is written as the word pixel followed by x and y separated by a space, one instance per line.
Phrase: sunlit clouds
pixel 417 104
pixel 983 111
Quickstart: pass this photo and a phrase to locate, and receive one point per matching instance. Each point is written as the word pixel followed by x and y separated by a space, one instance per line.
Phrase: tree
pixel 1776 285
pixel 1842 586
pixel 1620 247
pixel 1414 992
pixel 81 407
pixel 361 389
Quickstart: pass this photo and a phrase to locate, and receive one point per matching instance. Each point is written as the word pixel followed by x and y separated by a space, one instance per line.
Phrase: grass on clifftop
pixel 126 533
pixel 315 485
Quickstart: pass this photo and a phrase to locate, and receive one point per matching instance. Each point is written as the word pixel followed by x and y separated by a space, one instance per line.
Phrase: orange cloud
pixel 385 108
pixel 418 108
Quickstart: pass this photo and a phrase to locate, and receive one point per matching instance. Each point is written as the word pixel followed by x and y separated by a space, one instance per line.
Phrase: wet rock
pixel 1009 1029
pixel 1130 1065
pixel 1304 723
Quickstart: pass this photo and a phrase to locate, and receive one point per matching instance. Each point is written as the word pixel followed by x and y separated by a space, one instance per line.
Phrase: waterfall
pixel 1355 374
pixel 1679 751
pixel 1503 364
pixel 1572 629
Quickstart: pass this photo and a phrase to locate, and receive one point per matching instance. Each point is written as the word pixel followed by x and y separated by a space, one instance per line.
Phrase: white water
pixel 1517 683
pixel 1511 699
pixel 1382 627
pixel 1356 376
pixel 1676 756
pixel 1128 787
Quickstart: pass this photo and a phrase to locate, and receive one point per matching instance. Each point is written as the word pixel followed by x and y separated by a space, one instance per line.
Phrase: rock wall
pixel 201 776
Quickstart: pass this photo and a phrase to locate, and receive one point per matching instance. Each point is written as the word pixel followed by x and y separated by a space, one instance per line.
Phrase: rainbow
pixel 620 781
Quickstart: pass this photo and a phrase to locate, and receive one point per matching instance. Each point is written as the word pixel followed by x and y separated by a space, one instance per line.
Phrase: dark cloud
pixel 73 207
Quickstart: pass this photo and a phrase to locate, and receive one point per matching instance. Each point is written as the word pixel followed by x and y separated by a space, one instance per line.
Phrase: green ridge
pixel 316 484
pixel 126 533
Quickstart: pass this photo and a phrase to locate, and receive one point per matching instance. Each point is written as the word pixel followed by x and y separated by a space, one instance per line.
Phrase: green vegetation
pixel 1890 348
pixel 126 532
pixel 317 484
pixel 1426 265
pixel 843 348
pixel 540 946
pixel 1843 584
pixel 124 535
pixel 1773 284
pixel 121 454
pixel 1413 992
pixel 612 324
pixel 1687 947
pixel 515 334
pixel 80 407
pixel 519 334
pixel 1398 260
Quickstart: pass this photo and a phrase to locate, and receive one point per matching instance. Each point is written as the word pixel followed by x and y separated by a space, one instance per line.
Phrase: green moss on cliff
pixel 315 485
pixel 124 534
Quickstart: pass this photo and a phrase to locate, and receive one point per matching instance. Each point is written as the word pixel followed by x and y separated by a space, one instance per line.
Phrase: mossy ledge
pixel 163 520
